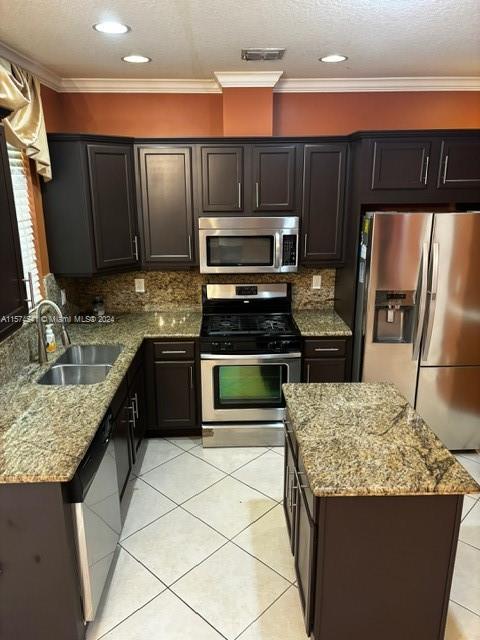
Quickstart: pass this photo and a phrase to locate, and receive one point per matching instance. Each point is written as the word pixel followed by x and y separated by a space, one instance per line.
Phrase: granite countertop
pixel 46 430
pixel 320 323
pixel 364 439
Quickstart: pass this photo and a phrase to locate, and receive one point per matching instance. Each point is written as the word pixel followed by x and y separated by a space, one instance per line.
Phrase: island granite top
pixel 364 439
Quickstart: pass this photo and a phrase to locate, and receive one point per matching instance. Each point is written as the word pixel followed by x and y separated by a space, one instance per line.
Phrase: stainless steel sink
pixel 85 354
pixel 63 374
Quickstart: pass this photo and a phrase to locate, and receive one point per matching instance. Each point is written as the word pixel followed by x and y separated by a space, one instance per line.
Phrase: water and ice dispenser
pixel 394 316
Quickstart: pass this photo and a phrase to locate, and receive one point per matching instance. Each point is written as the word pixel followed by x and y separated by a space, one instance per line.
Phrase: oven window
pixel 240 251
pixel 247 386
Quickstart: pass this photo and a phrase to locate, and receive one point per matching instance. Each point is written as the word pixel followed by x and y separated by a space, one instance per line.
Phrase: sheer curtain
pixel 25 126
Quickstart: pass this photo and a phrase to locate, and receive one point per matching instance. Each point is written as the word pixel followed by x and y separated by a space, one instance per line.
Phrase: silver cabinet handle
pixel 433 298
pixel 135 401
pixel 190 377
pixel 308 373
pixel 421 303
pixel 29 280
pixel 189 247
pixel 292 489
pixel 239 195
pixel 426 170
pixel 257 195
pixel 305 245
pixel 131 408
pixel 135 246
pixel 445 166
pixel 300 485
pixel 171 351
pixel 327 349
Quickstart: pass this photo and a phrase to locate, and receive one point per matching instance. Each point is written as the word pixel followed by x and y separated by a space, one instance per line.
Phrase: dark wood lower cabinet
pixel 289 491
pixel 327 360
pixel 122 438
pixel 371 567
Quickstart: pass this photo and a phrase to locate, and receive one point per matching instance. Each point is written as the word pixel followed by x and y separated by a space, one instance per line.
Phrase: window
pixel 24 206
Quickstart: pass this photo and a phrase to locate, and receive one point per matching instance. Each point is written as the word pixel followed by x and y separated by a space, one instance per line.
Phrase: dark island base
pixel 385 567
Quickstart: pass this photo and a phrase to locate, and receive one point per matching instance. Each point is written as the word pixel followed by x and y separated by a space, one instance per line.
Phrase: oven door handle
pixel 252 356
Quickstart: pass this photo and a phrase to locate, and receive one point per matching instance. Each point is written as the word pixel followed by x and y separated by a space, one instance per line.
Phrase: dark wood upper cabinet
pixel 323 202
pixel 89 207
pixel 273 171
pixel 459 163
pixel 222 179
pixel 12 287
pixel 400 164
pixel 165 175
pixel 113 210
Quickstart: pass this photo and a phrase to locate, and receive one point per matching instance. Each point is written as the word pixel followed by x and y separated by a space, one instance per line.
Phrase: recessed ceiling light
pixel 136 59
pixel 333 57
pixel 114 28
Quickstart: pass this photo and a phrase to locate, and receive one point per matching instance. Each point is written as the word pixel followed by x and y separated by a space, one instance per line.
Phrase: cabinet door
pixel 12 289
pixel 222 178
pixel 274 178
pixel 166 196
pixel 325 370
pixel 122 444
pixel 289 491
pixel 175 394
pixel 400 164
pixel 113 205
pixel 305 545
pixel 459 163
pixel 323 202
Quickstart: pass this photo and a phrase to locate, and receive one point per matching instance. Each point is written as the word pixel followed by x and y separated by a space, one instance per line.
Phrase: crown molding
pixel 137 85
pixel 229 79
pixel 47 77
pixel 353 85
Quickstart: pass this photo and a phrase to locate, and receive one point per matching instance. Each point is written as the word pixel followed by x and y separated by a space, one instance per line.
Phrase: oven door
pixel 240 251
pixel 245 388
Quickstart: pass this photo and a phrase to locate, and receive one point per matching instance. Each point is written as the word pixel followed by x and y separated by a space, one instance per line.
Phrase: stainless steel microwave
pixel 248 244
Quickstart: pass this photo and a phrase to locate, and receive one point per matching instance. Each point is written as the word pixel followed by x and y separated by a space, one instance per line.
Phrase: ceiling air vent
pixel 267 53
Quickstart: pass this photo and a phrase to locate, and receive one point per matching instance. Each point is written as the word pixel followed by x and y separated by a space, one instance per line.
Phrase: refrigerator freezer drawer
pixel 448 399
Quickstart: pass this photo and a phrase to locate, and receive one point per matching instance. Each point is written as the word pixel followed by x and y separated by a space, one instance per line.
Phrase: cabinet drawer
pixel 174 350
pixel 324 348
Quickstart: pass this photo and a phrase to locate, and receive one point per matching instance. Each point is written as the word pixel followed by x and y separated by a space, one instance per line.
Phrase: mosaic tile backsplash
pixel 168 290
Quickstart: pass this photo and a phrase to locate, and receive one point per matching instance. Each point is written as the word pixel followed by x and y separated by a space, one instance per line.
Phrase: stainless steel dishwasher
pixel 93 492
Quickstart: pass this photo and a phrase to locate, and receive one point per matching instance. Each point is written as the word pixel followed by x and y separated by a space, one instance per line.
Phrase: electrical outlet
pixel 316 282
pixel 63 297
pixel 139 285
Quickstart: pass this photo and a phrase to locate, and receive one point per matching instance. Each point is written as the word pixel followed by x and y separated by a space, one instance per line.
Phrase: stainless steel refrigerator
pixel 418 316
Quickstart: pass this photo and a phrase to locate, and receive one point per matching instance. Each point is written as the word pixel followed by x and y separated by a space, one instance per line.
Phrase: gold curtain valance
pixel 25 126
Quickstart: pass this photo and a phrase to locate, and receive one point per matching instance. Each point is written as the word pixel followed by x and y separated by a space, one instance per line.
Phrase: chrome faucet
pixel 42 349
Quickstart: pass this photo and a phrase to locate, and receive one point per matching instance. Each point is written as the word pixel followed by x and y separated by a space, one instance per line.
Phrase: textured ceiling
pixel 193 38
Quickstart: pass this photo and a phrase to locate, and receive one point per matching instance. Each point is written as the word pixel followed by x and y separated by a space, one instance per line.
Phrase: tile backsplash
pixel 172 289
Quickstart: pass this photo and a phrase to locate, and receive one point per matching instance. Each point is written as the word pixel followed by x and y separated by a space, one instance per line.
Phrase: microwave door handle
pixel 422 302
pixel 432 299
pixel 278 238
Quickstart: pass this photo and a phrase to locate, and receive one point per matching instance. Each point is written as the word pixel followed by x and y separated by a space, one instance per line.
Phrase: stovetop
pixel 268 324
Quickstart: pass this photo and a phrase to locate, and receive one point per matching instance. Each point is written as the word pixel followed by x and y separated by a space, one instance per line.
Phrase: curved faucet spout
pixel 42 350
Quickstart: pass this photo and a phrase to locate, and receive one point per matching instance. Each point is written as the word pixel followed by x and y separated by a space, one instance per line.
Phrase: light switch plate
pixel 316 282
pixel 139 285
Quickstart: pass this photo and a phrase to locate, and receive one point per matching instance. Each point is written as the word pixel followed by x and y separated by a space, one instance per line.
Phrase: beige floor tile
pixel 157 452
pixel 145 505
pixel 462 624
pixel 470 527
pixel 131 586
pixel 466 578
pixel 173 544
pixel 468 503
pixel 228 459
pixel 186 442
pixel 230 589
pixel 183 477
pixel 164 618
pixel 282 621
pixel 267 540
pixel 472 455
pixel 279 450
pixel 229 506
pixel 265 474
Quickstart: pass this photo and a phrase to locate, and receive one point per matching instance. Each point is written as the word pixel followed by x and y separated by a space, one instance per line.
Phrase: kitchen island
pixel 373 502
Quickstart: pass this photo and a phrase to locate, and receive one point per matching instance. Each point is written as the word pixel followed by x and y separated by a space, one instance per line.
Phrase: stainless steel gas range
pixel 249 347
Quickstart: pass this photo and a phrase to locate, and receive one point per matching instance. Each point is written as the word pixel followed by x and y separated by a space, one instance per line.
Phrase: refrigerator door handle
pixel 433 299
pixel 422 303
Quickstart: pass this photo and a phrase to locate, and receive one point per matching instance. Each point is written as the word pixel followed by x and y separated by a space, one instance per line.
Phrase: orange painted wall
pixel 248 112
pixel 134 114
pixel 342 113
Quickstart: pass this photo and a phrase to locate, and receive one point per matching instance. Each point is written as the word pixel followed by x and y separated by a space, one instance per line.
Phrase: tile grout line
pixel 197 613
pixel 129 615
pixel 466 608
pixel 263 612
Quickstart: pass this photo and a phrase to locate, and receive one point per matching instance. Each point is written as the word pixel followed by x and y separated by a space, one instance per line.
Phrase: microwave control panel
pixel 289 254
